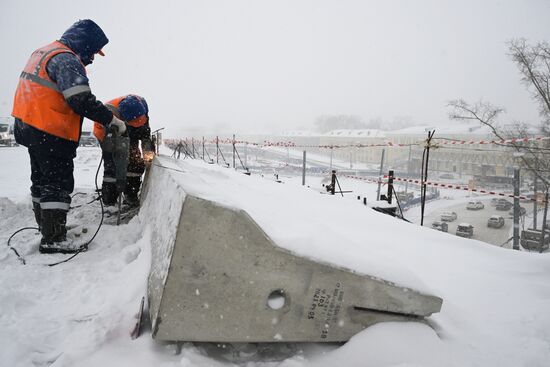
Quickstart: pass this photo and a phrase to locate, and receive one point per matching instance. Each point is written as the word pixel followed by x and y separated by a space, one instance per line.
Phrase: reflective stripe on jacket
pixel 39 103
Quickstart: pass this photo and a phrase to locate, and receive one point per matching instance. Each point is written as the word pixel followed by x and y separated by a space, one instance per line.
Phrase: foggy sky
pixel 251 65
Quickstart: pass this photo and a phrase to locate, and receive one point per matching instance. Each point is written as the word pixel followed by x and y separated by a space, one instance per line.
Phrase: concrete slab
pixel 220 278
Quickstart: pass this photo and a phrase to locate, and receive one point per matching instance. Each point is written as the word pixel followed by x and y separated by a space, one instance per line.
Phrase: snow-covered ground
pixel 80 313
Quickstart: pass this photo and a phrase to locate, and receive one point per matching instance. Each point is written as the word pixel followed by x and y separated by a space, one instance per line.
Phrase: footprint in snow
pixel 130 253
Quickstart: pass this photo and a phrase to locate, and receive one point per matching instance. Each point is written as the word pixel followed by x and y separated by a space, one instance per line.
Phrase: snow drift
pixel 80 313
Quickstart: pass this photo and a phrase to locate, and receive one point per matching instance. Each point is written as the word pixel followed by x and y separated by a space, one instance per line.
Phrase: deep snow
pixel 495 309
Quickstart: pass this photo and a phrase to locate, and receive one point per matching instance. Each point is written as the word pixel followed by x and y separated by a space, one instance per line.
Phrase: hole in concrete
pixel 276 299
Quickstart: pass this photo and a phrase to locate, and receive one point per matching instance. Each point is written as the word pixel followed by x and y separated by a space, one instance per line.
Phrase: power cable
pixel 83 247
pixel 13 248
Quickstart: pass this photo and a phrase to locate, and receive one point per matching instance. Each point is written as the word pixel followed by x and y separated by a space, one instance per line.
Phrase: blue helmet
pixel 132 107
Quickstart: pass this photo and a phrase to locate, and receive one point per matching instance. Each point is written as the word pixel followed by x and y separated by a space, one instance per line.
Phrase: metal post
pixel 330 167
pixel 390 186
pixel 304 169
pixel 203 148
pixel 333 182
pixel 535 203
pixel 233 150
pixel 424 176
pixel 408 169
pixel 380 174
pixel 217 149
pixel 246 154
pixel 543 226
pixel 515 245
pixel 158 139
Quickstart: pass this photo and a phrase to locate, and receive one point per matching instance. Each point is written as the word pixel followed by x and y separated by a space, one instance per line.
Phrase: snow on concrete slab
pixel 495 309
pixel 328 228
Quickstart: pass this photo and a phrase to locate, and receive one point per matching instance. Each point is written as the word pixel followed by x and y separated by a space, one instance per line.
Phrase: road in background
pixel 478 219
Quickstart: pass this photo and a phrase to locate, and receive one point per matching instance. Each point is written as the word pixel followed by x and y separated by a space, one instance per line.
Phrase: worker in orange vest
pixel 52 98
pixel 134 111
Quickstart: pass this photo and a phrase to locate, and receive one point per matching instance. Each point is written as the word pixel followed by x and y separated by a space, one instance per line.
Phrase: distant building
pixel 459 159
pixel 456 159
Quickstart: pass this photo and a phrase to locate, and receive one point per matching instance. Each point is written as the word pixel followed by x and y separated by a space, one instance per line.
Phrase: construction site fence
pixel 289 144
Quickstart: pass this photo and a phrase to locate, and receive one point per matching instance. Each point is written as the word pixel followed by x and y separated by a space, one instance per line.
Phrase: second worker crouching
pixel 134 111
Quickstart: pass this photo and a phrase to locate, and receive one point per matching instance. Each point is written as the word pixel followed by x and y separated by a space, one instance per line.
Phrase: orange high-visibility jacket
pixel 39 103
pixel 99 129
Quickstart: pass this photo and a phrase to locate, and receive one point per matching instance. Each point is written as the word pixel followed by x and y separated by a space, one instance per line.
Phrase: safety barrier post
pixel 333 182
pixel 233 151
pixel 544 216
pixel 515 245
pixel 535 219
pixel 380 175
pixel 390 186
pixel 424 174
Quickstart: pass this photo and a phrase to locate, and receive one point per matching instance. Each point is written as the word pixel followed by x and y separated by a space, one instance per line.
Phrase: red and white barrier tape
pixel 441 185
pixel 366 179
pixel 460 187
pixel 481 142
pixel 289 144
pixel 340 146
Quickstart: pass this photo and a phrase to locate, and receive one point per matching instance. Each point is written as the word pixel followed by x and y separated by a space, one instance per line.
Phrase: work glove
pixel 118 125
pixel 148 156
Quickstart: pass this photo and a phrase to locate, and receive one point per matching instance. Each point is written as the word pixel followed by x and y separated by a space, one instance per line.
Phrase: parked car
pixel 503 205
pixel 495 221
pixel 475 205
pixel 440 226
pixel 465 230
pixel 530 239
pixel 448 216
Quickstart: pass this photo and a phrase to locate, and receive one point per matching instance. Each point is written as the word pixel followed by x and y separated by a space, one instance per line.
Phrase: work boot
pixel 109 193
pixel 131 201
pixel 37 214
pixel 54 233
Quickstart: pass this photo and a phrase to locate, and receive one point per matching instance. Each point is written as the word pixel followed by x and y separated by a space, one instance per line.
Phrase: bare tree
pixel 483 112
pixel 533 62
